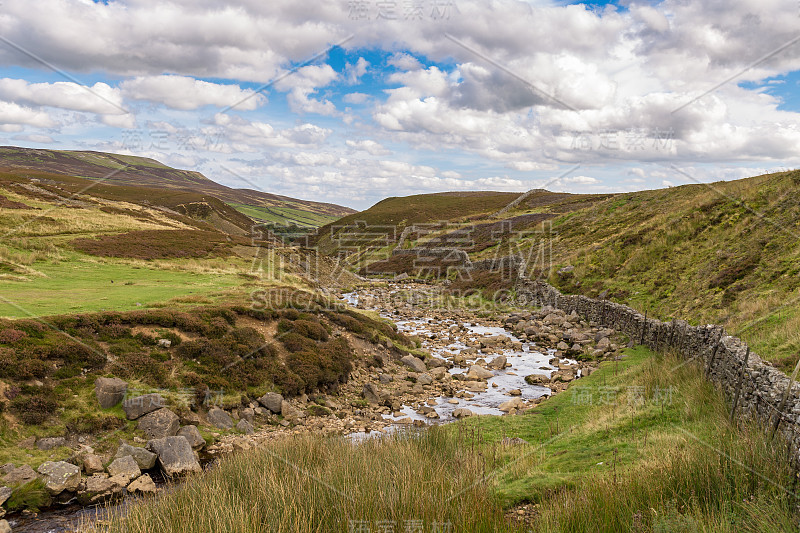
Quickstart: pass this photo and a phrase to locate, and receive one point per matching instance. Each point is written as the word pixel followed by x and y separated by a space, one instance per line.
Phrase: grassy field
pixel 657 454
pixel 82 286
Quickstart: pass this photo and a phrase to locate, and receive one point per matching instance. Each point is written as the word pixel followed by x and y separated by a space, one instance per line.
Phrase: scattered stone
pixel 92 464
pixel 50 443
pixel 511 405
pixel 272 401
pixel 27 443
pixel 98 488
pixel 219 418
pixel 141 405
pixel 479 373
pixel 192 434
pixel 59 476
pixel 537 379
pixel 20 475
pixel 248 413
pixel 159 424
pixel 371 393
pixel 142 485
pixel 498 363
pixel 290 411
pixel 124 467
pixel 109 391
pixel 175 455
pixel 5 494
pixel 245 427
pixel 414 363
pixel 145 459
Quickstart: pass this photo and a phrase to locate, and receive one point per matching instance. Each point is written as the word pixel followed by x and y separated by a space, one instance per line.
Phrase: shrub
pixel 326 367
pixel 297 343
pixel 34 410
pixel 10 336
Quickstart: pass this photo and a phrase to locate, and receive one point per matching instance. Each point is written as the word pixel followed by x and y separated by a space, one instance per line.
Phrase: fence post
pixel 779 414
pixel 739 384
pixel 644 327
pixel 713 356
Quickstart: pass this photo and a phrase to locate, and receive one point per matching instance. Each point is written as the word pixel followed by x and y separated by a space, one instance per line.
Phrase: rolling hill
pixel 725 252
pixel 116 169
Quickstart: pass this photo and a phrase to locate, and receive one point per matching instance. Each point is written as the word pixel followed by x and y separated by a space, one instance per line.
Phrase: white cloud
pixel 404 61
pixel 13 116
pixel 34 138
pixel 99 98
pixel 185 93
pixel 369 146
pixel 354 72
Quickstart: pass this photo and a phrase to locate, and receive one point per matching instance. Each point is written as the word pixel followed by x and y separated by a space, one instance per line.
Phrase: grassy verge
pixel 654 453
pixel 398 484
pixel 642 444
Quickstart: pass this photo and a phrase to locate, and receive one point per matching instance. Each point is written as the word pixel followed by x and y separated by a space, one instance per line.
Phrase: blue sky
pixel 455 95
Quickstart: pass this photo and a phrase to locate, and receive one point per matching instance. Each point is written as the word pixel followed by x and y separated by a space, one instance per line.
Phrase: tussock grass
pixel 317 485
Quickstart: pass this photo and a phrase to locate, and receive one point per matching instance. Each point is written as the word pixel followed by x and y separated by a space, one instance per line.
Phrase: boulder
pixel 20 475
pixel 142 485
pixel 245 427
pixel 145 460
pixel 511 405
pixel 475 386
pixel 98 488
pixel 604 344
pixel 537 379
pixel 424 379
pixel 193 435
pixel 109 391
pixel 50 443
pixel 438 373
pixel 498 363
pixel 462 412
pixel 164 343
pixel 141 405
pixel 290 411
pixel 175 455
pixel 371 393
pixel 435 362
pixel 160 424
pixel 5 494
pixel 272 401
pixel 248 413
pixel 515 392
pixel 219 418
pixel 414 363
pixel 478 373
pixel 124 467
pixel 92 464
pixel 4 526
pixel 59 476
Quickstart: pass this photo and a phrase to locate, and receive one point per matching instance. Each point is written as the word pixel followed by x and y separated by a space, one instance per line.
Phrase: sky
pixel 353 101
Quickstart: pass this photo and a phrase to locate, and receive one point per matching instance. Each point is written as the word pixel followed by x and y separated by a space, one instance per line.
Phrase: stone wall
pixel 722 356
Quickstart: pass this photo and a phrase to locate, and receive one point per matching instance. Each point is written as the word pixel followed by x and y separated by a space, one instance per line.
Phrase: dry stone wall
pixel 756 388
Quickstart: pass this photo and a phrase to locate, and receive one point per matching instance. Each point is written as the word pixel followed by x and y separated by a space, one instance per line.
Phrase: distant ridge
pixel 118 169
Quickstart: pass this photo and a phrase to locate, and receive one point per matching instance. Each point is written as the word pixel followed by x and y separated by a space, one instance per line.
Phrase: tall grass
pixel 315 485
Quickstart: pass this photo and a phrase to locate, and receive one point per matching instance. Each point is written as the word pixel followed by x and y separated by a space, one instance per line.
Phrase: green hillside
pixel 117 169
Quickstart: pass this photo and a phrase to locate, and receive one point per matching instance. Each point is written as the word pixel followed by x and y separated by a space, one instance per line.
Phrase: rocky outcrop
pixel 59 476
pixel 109 391
pixel 124 468
pixel 159 424
pixel 192 434
pixel 145 459
pixel 272 401
pixel 219 418
pixel 175 455
pixel 141 405
pixel 414 363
